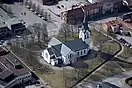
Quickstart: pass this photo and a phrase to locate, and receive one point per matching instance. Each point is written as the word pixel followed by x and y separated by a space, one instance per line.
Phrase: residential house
pixel 67 52
pixel 127 3
pixel 127 17
pixel 73 16
pixel 93 10
pixel 113 26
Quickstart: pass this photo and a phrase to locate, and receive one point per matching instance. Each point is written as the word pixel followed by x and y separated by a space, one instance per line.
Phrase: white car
pixel 39 15
pixel 130 47
pixel 27 6
pixel 35 12
pixel 31 9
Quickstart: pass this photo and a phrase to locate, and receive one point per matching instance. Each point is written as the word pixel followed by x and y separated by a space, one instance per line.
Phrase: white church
pixel 67 53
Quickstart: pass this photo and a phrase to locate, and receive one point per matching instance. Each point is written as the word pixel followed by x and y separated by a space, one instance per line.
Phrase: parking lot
pixel 125 40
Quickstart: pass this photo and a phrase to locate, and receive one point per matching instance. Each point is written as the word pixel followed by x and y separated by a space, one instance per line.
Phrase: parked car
pixel 28 6
pixel 130 47
pixel 122 41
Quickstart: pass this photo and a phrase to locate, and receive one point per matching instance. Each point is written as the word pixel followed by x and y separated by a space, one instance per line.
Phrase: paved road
pixel 119 79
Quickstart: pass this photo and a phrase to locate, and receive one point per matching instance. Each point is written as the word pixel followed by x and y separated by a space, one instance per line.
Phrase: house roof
pixel 74 12
pixel 76 45
pixel 57 49
pixel 129 2
pixel 113 22
pixel 12 21
pixel 54 41
pixel 65 50
pixel 50 51
pixel 92 6
pixel 13 60
pixel 5 74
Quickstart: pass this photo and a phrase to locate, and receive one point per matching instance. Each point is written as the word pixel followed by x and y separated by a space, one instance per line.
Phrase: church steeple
pixel 84 33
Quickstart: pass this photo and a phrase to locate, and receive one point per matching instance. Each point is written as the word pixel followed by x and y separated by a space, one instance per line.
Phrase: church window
pixel 78 53
pixel 85 36
pixel 46 55
pixel 81 52
pixel 84 51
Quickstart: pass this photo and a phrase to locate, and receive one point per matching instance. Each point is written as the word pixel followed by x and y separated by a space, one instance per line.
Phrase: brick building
pixel 92 10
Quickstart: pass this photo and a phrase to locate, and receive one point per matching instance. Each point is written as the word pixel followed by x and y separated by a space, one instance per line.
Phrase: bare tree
pixel 38 9
pixel 33 6
pixel 30 3
pixel 49 17
pixel 26 3
pixel 41 12
pixel 9 9
pixel 4 6
pixel 44 31
pixel 65 30
pixel 46 16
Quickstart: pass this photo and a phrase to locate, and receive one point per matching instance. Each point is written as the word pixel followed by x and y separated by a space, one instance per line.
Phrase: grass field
pixel 108 70
pixel 126 53
pixel 110 47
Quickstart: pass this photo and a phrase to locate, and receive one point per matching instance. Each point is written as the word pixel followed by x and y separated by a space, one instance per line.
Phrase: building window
pixel 81 52
pixel 46 55
pixel 78 53
pixel 84 51
pixel 70 55
pixel 85 36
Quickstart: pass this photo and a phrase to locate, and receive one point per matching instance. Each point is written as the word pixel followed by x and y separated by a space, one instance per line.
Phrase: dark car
pixel 123 41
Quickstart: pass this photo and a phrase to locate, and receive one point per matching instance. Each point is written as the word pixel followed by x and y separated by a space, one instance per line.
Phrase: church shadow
pixel 91 55
pixel 80 63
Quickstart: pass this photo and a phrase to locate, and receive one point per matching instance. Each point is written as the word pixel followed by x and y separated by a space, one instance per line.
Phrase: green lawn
pixel 110 47
pixel 108 70
pixel 126 53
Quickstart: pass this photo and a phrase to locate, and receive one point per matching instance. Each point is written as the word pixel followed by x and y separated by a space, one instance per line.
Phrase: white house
pixel 67 53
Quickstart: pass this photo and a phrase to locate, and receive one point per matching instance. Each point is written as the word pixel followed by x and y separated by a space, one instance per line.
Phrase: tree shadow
pixel 119 60
pixel 80 64
pixel 91 55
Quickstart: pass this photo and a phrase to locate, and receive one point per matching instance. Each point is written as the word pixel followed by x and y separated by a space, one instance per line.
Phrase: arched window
pixel 81 52
pixel 46 55
pixel 78 53
pixel 85 36
pixel 84 51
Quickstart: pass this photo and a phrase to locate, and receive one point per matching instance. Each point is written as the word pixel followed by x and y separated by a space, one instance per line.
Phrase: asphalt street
pixel 119 79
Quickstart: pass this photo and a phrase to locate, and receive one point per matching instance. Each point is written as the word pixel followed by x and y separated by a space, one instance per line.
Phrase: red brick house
pixel 74 16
